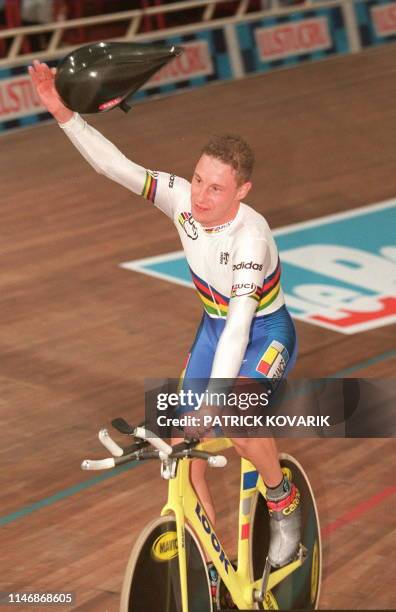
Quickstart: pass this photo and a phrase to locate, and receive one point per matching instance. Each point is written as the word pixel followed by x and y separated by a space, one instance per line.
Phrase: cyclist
pixel 246 329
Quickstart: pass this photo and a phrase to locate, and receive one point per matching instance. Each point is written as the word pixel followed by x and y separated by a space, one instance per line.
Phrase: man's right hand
pixel 43 79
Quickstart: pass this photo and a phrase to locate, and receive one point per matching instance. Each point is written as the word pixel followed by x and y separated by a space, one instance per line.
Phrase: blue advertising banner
pixel 376 21
pixel 258 45
pixel 276 42
pixel 206 58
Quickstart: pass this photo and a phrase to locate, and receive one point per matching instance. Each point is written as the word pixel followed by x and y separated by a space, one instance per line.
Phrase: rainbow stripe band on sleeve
pixel 213 302
pixel 217 304
pixel 256 295
pixel 150 187
pixel 270 288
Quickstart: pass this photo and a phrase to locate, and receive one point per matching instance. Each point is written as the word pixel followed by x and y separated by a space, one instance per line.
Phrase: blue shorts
pixel 271 352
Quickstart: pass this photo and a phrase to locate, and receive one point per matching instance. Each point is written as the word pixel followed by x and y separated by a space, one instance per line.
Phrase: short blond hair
pixel 233 151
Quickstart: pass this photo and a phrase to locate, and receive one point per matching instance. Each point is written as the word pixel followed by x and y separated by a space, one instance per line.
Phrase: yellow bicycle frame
pixel 185 505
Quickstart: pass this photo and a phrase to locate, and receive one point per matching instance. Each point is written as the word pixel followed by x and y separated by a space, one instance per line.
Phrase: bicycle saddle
pixel 100 76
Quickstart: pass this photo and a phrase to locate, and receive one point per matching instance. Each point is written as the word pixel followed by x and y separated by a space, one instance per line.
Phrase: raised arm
pixel 103 155
pixel 99 152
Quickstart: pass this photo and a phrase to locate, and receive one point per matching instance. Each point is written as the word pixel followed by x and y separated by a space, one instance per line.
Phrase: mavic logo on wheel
pixel 215 542
pixel 165 547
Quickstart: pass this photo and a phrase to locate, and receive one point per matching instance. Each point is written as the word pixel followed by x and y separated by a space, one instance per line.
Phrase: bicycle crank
pixel 259 594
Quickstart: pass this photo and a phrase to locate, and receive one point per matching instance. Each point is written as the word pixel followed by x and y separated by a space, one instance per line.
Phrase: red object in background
pixel 85 8
pixel 12 13
pixel 78 9
pixel 159 19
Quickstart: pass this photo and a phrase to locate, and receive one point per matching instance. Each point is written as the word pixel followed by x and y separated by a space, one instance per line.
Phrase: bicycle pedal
pixel 302 553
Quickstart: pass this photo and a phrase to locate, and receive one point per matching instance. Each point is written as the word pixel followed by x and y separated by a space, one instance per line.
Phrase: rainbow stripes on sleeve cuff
pixel 217 304
pixel 270 288
pixel 256 295
pixel 150 187
pixel 213 302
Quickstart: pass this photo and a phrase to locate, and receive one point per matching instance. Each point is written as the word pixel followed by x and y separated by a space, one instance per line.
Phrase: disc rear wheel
pixel 301 589
pixel 152 577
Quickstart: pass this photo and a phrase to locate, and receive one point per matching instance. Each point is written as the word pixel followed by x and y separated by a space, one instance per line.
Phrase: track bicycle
pixel 167 570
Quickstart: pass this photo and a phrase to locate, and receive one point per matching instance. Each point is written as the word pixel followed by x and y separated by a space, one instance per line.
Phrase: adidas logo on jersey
pixel 247 266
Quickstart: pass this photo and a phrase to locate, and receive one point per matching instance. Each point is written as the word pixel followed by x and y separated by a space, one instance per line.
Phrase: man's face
pixel 215 193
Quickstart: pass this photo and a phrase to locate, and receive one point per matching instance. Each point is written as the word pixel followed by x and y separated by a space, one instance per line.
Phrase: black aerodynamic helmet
pixel 100 76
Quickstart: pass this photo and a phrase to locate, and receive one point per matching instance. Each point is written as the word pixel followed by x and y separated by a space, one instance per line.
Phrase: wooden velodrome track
pixel 79 334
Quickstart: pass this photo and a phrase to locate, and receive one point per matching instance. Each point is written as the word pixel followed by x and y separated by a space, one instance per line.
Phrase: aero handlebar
pixel 140 450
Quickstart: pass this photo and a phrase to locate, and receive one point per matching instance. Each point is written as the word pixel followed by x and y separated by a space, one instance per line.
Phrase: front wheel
pixel 301 589
pixel 152 577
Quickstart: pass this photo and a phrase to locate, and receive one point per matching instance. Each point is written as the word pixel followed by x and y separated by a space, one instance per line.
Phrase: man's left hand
pixel 204 424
